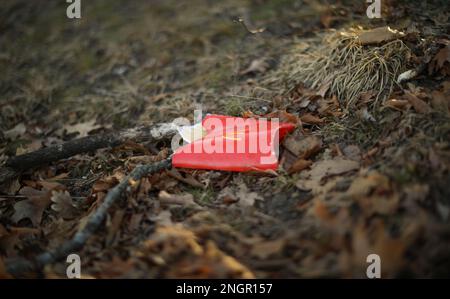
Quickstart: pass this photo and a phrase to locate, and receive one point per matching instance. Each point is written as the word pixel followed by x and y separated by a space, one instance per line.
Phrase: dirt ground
pixel 365 172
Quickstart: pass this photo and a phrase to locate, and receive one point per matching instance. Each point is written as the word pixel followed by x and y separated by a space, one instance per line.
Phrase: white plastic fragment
pixel 191 133
pixel 408 75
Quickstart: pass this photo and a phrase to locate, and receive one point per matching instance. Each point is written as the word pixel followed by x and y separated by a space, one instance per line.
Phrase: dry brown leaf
pixel 51 185
pixel 196 261
pixel 284 116
pixel 363 186
pixel 419 105
pixel 440 59
pixel 389 249
pixel 63 204
pixel 263 250
pixel 439 101
pixel 8 239
pixel 186 199
pixel 106 183
pixel 379 35
pixel 397 104
pixel 299 165
pixel 322 212
pixel 82 128
pixel 116 268
pixel 189 179
pixel 335 166
pixel 301 146
pixel 312 180
pixel 33 207
pixel 100 186
pixel 311 119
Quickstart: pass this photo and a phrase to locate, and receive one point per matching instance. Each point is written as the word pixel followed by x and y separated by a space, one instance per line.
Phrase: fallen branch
pixel 22 266
pixel 15 165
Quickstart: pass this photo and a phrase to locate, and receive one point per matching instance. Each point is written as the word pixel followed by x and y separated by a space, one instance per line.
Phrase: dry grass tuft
pixel 348 67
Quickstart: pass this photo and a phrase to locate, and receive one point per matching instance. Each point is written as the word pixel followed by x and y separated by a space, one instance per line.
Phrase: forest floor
pixel 366 171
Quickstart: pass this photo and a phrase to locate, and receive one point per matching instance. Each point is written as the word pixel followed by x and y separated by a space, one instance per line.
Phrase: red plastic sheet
pixel 234 144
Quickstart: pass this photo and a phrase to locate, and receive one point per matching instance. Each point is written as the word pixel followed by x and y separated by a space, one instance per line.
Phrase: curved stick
pixel 21 266
pixel 16 165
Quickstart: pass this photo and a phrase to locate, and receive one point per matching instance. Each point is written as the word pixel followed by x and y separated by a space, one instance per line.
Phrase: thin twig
pixel 22 266
pixel 15 165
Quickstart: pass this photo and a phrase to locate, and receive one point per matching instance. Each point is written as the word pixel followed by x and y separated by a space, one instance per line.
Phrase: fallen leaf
pixel 82 128
pixel 186 199
pixel 301 146
pixel 367 96
pixel 397 104
pixel 189 179
pixel 106 183
pixel 115 268
pixel 63 204
pixel 335 166
pixel 263 250
pixel 33 207
pixel 389 249
pixel 9 239
pixel 311 119
pixel 419 105
pixel 48 185
pixel 101 185
pixel 440 59
pixel 299 165
pixel 363 186
pixel 322 212
pixel 312 180
pixel 440 101
pixel 379 35
pixel 284 116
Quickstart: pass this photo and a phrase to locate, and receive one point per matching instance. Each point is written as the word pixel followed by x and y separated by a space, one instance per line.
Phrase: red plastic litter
pixel 234 144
